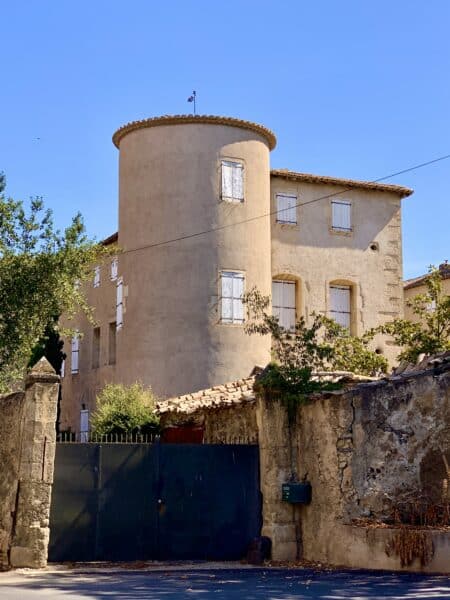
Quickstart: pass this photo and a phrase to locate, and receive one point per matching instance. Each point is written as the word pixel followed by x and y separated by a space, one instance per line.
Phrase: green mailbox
pixel 297 493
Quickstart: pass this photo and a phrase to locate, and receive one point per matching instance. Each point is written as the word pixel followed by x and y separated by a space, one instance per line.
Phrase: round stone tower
pixel 190 188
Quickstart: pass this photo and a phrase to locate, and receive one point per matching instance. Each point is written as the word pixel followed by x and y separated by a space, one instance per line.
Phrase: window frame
pixel 285 308
pixel 97 276
pixel 235 275
pixel 114 272
pixel 119 303
pixel 75 352
pixel 233 163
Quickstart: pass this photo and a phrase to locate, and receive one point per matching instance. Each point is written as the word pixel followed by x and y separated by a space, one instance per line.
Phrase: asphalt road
pixel 254 584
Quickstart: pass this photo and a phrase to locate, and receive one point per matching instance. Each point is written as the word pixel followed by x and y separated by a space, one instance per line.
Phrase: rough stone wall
pixel 365 452
pixel 27 452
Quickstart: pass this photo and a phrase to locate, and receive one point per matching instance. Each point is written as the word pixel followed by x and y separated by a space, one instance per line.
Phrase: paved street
pixel 249 584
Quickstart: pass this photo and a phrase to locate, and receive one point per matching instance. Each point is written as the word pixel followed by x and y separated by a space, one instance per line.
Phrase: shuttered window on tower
pixel 283 303
pixel 340 304
pixel 232 181
pixel 286 209
pixel 341 218
pixel 97 276
pixel 232 290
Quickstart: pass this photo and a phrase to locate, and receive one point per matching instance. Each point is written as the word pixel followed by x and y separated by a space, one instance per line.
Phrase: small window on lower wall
pixel 232 290
pixel 84 425
pixel 340 304
pixel 283 302
pixel 112 343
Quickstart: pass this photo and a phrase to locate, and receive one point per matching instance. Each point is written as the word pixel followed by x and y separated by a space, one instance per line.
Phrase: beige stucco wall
pixel 315 256
pixel 172 338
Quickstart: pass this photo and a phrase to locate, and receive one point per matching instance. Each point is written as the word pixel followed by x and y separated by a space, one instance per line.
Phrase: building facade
pixel 202 219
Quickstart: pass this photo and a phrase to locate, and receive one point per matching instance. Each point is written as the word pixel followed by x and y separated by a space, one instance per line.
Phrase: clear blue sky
pixel 351 88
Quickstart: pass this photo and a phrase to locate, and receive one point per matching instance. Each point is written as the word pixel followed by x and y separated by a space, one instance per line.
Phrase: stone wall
pixel 27 451
pixel 366 452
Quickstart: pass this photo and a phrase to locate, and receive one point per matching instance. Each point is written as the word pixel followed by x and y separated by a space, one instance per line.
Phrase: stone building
pixel 417 285
pixel 203 218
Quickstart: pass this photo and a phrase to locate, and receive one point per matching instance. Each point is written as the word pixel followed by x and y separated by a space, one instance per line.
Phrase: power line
pixel 274 212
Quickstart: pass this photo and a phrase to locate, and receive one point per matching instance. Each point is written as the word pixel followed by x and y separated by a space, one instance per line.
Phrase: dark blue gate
pixel 117 502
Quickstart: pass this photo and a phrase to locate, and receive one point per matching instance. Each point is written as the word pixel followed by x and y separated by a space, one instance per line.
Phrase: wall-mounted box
pixel 296 493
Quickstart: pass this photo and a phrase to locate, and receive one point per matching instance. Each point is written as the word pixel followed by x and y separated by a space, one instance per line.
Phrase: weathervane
pixel 192 99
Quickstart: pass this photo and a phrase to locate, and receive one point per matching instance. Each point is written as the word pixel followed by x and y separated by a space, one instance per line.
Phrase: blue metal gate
pixel 117 502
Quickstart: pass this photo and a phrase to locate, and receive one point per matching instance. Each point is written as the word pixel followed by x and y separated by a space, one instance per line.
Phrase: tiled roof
pixel 186 119
pixel 348 183
pixel 239 393
pixel 444 270
pixel 112 239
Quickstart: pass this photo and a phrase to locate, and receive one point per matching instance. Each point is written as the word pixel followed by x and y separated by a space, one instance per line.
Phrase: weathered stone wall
pixel 27 452
pixel 366 452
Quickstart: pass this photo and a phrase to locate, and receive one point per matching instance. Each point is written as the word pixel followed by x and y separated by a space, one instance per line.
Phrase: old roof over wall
pixel 403 192
pixel 444 270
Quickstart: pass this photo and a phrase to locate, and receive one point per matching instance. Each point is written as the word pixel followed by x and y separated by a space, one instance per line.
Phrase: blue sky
pixel 352 89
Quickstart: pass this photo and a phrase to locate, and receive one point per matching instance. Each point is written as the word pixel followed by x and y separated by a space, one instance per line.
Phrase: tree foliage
pixel 297 353
pixel 125 410
pixel 430 334
pixel 39 268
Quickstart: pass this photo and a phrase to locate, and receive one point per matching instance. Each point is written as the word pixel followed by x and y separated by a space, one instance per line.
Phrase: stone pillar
pixel 276 459
pixel 30 536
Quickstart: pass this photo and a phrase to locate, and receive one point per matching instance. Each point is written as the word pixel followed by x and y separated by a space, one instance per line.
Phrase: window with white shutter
pixel 119 304
pixel 232 290
pixel 114 268
pixel 97 276
pixel 340 306
pixel 283 303
pixel 75 351
pixel 63 368
pixel 286 208
pixel 84 425
pixel 341 218
pixel 232 181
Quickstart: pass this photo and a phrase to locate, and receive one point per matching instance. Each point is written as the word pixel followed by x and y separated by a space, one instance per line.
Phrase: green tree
pixel 125 410
pixel 431 332
pixel 39 269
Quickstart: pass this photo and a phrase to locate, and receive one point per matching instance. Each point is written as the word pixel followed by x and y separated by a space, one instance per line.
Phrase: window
pixel 341 215
pixel 286 208
pixel 431 306
pixel 119 304
pixel 283 303
pixel 232 289
pixel 114 268
pixel 112 344
pixel 84 425
pixel 63 368
pixel 75 354
pixel 96 348
pixel 340 304
pixel 97 276
pixel 232 181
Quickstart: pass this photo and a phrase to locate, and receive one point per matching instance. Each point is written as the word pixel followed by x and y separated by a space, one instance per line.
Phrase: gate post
pixel 275 455
pixel 31 531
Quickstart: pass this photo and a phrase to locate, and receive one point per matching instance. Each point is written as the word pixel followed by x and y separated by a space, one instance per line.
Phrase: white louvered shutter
pixel 119 304
pixel 238 291
pixel 286 208
pixel 238 182
pixel 63 369
pixel 97 276
pixel 341 215
pixel 283 303
pixel 340 305
pixel 227 297
pixel 75 350
pixel 227 180
pixel 114 269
